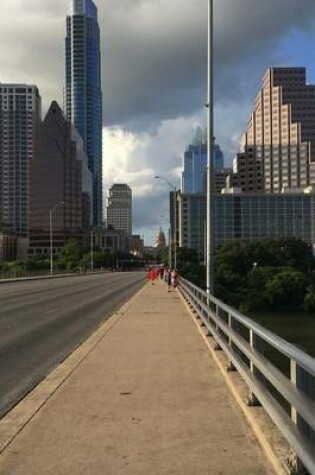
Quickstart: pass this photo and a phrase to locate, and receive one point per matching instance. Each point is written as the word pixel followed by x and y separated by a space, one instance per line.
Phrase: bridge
pixel 173 383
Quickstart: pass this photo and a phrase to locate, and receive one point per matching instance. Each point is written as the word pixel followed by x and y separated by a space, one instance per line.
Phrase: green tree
pixel 39 263
pixel 100 259
pixel 287 289
pixel 189 267
pixel 15 268
pixel 244 271
pixel 70 255
pixel 309 300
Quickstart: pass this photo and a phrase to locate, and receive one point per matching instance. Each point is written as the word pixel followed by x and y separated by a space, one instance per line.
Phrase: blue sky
pixel 298 49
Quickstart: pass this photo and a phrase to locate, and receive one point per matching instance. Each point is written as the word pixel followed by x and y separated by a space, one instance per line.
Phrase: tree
pixel 246 274
pixel 38 263
pixel 309 300
pixel 189 267
pixel 70 255
pixel 286 289
pixel 100 259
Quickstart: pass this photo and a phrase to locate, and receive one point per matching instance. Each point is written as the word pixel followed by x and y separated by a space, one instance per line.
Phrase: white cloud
pixel 136 158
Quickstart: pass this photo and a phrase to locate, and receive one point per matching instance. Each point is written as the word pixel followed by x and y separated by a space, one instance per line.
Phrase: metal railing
pixel 24 274
pixel 280 377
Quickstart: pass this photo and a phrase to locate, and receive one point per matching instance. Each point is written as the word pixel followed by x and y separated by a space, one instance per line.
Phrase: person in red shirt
pixel 152 275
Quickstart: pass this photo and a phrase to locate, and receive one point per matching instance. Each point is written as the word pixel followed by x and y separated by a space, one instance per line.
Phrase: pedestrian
pixel 174 278
pixel 152 275
pixel 169 280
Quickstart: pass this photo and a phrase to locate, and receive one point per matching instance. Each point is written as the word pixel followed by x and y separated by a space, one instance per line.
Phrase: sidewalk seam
pixel 13 423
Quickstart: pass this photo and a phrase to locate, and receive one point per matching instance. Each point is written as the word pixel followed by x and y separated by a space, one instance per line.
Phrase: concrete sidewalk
pixel 148 400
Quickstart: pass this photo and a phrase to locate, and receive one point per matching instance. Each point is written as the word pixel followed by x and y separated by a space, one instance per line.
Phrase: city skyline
pixel 148 122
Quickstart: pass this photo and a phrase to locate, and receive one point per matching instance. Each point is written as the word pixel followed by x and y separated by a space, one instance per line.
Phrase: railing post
pixel 201 312
pixel 256 344
pixel 230 366
pixel 217 310
pixel 306 383
pixel 217 347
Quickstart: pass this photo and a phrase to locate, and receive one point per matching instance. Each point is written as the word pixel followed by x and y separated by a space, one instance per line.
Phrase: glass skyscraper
pixel 83 94
pixel 246 216
pixel 194 175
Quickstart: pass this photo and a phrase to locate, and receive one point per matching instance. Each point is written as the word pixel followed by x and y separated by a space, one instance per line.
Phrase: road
pixel 43 321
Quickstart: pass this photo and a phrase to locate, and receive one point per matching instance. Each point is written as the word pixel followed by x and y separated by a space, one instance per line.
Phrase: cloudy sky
pixel 154 76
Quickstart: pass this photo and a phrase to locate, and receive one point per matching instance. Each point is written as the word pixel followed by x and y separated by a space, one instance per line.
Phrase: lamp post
pixel 210 169
pixel 173 187
pixel 51 212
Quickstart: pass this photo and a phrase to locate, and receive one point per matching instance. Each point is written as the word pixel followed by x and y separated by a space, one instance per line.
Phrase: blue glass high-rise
pixel 83 93
pixel 195 164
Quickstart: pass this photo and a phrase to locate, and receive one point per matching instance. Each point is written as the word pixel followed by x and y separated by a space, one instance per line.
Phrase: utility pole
pixel 210 170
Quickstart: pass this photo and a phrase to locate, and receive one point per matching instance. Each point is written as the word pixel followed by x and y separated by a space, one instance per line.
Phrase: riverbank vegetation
pixel 269 274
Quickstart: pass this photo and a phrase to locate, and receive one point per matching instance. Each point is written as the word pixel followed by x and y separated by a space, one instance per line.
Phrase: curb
pixel 19 417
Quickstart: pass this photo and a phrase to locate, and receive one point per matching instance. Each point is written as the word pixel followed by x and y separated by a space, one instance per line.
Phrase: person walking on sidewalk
pixel 168 278
pixel 152 275
pixel 174 279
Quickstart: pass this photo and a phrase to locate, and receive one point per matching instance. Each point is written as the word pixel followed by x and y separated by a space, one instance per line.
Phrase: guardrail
pixel 280 377
pixel 22 274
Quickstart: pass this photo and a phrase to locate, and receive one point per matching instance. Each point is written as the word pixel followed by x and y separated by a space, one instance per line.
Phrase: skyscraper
pixel 119 208
pixel 279 144
pixel 246 216
pixel 60 180
pixel 83 94
pixel 20 115
pixel 195 164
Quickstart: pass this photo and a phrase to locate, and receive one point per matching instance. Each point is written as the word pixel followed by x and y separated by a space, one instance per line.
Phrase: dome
pixel 160 240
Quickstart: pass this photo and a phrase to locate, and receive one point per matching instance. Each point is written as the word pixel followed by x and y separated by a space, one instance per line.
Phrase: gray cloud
pixel 153 52
pixel 157 62
pixel 154 73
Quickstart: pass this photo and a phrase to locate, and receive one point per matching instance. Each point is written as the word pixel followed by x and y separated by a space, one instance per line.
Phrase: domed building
pixel 160 241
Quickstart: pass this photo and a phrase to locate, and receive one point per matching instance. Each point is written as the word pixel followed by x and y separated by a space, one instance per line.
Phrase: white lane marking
pixel 51 310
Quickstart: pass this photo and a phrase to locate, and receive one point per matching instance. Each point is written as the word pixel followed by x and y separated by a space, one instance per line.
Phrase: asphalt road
pixel 43 321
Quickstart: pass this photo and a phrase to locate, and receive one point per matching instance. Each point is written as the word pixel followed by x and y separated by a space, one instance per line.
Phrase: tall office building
pixel 248 171
pixel 246 216
pixel 194 175
pixel 60 180
pixel 280 134
pixel 119 208
pixel 20 115
pixel 83 94
pixel 218 158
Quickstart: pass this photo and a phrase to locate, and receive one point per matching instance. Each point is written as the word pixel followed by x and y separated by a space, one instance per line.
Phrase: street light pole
pixel 173 187
pixel 210 170
pixel 175 228
pixel 51 212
